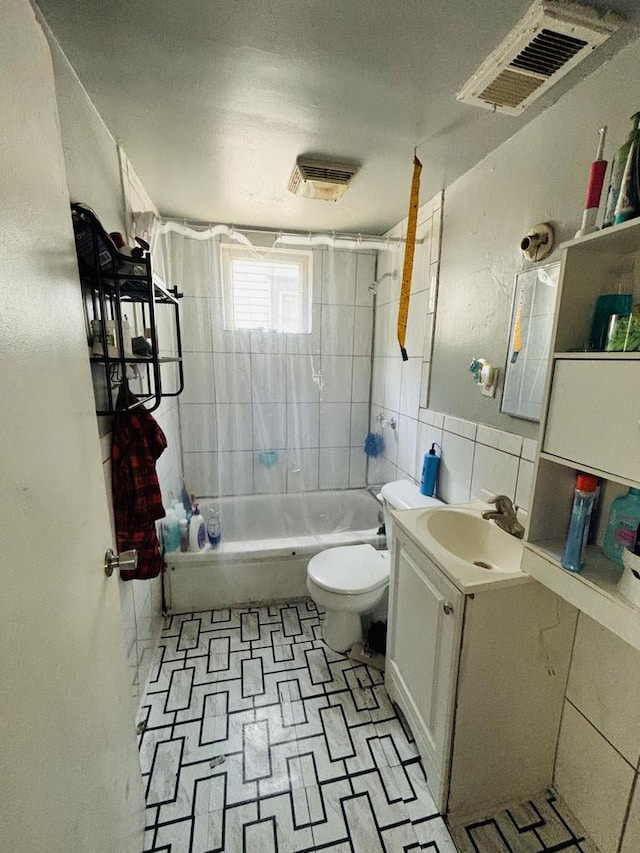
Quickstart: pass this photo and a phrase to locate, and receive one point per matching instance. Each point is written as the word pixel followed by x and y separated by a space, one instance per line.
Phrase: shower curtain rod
pixel 202 231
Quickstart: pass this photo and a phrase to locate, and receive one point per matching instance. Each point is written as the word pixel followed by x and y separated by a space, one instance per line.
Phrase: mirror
pixel 534 301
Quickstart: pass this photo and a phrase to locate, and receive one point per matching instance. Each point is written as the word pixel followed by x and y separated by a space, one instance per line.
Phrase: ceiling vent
pixel 317 179
pixel 552 38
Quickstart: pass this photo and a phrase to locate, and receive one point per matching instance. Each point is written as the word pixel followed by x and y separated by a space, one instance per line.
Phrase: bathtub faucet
pixel 504 515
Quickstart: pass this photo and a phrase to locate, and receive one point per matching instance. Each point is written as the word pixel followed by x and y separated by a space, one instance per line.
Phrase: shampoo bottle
pixel 583 498
pixel 429 472
pixel 624 518
pixel 197 531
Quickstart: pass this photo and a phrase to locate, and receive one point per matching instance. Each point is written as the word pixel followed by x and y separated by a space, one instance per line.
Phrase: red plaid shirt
pixel 137 441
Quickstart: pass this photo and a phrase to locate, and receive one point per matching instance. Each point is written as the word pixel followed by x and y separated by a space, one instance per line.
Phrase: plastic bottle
pixel 584 495
pixel 624 517
pixel 183 526
pixel 170 532
pixel 627 206
pixel 197 531
pixel 617 171
pixel 429 472
pixel 214 527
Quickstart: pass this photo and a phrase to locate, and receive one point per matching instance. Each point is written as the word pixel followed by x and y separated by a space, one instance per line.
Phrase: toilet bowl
pixel 352 580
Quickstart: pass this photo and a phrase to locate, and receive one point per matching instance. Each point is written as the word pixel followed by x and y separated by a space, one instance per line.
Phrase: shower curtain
pixel 269 410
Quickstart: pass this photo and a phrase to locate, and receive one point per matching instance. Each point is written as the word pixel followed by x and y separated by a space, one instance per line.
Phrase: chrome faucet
pixel 504 515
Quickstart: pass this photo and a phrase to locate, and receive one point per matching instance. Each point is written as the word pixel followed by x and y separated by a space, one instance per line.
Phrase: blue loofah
pixel 374 444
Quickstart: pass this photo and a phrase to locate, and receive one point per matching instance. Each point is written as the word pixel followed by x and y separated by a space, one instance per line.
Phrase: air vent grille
pixel 317 179
pixel 548 52
pixel 551 39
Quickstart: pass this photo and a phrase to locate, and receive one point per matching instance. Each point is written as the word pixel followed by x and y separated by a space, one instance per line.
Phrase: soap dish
pixel 629 583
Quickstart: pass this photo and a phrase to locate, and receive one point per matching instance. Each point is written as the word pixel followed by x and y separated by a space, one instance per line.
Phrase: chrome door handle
pixel 447 607
pixel 126 560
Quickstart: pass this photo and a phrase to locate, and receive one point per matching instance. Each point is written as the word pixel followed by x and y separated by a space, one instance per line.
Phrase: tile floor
pixel 257 737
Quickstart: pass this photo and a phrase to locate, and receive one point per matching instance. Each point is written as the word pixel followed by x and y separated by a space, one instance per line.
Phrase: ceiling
pixel 213 100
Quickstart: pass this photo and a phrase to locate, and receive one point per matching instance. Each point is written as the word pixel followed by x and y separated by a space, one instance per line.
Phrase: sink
pixel 469 537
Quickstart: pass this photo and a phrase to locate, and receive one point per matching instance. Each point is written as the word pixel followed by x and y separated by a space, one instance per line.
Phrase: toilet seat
pixel 350 569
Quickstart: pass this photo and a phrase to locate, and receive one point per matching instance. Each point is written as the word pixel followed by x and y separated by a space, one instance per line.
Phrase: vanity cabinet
pixel 590 423
pixel 479 676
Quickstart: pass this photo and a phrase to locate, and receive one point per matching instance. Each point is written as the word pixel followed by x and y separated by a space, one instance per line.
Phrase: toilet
pixel 352 580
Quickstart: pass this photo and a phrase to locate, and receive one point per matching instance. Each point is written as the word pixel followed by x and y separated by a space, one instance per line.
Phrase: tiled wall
pixel 304 396
pixel 599 746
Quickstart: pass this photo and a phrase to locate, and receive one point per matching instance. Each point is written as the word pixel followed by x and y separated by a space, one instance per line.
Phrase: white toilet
pixel 353 579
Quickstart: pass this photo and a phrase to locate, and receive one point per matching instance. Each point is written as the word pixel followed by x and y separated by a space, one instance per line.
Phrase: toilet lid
pixel 350 569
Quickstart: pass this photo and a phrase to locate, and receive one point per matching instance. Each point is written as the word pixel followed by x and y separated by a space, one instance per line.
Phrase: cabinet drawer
pixel 594 415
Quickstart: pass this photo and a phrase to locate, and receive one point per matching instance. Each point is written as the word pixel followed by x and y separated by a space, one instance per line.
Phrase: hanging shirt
pixel 137 442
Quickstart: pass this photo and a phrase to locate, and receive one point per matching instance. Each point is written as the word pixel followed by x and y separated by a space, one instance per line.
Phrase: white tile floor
pixel 258 737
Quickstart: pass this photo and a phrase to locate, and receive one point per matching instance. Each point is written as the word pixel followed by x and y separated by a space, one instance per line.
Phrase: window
pixel 266 289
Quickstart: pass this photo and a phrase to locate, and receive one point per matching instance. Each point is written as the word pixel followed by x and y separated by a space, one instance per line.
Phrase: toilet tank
pixel 402 494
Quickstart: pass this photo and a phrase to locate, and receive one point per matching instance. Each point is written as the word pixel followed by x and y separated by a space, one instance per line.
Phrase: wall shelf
pixel 114 286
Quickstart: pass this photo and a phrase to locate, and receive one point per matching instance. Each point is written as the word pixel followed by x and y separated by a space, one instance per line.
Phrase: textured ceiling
pixel 213 100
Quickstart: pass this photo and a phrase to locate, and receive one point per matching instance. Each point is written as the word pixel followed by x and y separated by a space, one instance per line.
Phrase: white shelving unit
pixel 591 423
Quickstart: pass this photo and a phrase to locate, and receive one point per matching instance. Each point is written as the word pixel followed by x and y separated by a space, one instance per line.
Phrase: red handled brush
pixel 594 189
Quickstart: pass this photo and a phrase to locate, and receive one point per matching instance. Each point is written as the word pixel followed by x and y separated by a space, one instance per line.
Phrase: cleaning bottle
pixel 617 171
pixel 197 531
pixel 429 472
pixel 584 495
pixel 170 531
pixel 214 527
pixel 624 518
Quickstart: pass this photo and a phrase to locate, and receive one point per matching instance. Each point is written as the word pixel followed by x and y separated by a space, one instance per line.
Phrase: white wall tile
pixel 198 427
pixel 529 449
pixel 428 416
pixel 335 424
pixel 334 468
pixel 307 343
pixel 337 330
pixel 466 429
pixel 365 275
pixel 494 471
pixel 456 467
pixel 201 473
pixel 414 343
pixel 302 386
pixel 631 838
pixel 359 424
pixel 357 468
pixel 500 440
pixel 381 470
pixel 377 386
pixel 525 484
pixel 381 325
pixel 363 330
pixel 270 480
pixel 268 379
pixel 600 686
pixel 410 379
pixel 302 473
pixel 337 375
pixel 339 277
pixel 269 426
pixel 392 382
pixel 393 348
pixel 360 379
pixel 303 424
pixel 233 377
pixel 407 439
pixel 235 473
pixel 234 426
pixel 195 320
pixel 199 381
pixel 269 342
pixel 593 779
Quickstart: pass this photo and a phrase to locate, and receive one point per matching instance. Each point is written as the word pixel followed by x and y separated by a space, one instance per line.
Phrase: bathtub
pixel 267 541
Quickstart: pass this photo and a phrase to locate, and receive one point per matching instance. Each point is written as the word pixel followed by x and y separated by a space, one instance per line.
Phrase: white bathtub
pixel 267 541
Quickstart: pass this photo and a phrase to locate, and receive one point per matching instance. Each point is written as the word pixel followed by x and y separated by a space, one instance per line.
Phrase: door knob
pixel 126 560
pixel 448 608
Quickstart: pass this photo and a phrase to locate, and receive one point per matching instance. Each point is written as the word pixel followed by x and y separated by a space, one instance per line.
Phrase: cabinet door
pixel 594 415
pixel 422 660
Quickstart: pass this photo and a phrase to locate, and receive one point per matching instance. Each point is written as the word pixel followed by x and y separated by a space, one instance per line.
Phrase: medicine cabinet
pixel 132 318
pixel 591 423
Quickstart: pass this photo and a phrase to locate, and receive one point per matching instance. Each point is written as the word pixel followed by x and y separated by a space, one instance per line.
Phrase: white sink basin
pixel 469 537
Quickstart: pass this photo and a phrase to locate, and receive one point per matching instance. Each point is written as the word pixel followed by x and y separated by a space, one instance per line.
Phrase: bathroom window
pixel 266 289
